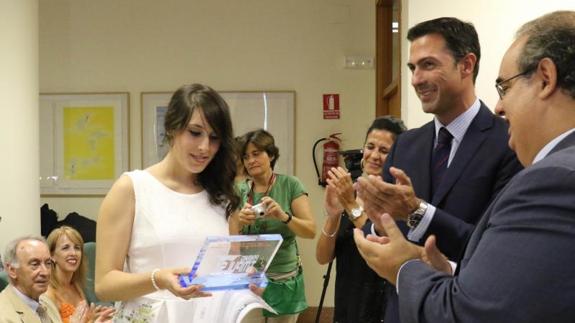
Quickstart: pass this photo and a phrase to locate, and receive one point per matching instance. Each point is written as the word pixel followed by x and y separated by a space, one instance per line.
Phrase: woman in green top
pixel 287 212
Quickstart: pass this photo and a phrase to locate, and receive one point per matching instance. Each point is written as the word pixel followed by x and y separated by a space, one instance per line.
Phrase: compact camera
pixel 259 210
pixel 352 159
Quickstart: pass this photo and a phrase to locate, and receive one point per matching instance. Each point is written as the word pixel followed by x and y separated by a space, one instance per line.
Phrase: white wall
pixel 19 108
pixel 496 22
pixel 149 45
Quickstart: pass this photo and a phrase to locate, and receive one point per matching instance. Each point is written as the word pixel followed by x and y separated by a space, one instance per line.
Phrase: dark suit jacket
pixel 519 264
pixel 481 167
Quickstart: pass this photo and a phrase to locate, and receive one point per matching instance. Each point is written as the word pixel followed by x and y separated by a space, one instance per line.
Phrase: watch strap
pixel 415 217
pixel 288 219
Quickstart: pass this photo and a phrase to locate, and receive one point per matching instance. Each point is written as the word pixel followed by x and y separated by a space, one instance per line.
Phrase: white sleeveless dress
pixel 168 231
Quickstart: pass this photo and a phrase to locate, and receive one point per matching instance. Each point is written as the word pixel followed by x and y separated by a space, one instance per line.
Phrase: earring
pixel 361 163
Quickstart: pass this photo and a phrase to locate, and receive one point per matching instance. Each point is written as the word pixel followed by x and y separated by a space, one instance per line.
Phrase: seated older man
pixel 28 264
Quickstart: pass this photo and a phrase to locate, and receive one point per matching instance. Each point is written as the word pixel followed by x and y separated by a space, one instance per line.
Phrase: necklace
pixel 270 183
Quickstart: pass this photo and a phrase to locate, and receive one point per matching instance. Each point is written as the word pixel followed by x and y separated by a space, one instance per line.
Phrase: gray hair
pixel 551 36
pixel 10 257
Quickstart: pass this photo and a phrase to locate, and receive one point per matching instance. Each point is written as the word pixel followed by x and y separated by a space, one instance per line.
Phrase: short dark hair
pixel 239 146
pixel 389 123
pixel 218 177
pixel 264 141
pixel 551 36
pixel 460 37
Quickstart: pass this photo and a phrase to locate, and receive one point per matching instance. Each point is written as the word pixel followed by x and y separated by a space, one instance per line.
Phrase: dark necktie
pixel 440 158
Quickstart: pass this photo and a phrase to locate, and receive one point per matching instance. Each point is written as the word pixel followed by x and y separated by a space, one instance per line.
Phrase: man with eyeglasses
pixel 518 265
pixel 28 264
pixel 439 178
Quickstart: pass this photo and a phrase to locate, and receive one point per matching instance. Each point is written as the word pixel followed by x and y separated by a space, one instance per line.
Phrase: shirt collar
pixel 33 304
pixel 550 145
pixel 459 125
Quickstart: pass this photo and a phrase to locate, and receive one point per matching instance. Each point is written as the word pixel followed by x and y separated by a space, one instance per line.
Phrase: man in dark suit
pixel 444 61
pixel 476 164
pixel 519 263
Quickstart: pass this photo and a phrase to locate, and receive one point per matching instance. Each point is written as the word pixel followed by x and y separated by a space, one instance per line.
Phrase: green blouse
pixel 284 190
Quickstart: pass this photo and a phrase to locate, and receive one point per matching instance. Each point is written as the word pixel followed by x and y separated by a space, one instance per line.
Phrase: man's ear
pixel 468 63
pixel 547 73
pixel 11 270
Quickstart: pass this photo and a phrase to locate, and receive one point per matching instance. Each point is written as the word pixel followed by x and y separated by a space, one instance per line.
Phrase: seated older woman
pixel 68 278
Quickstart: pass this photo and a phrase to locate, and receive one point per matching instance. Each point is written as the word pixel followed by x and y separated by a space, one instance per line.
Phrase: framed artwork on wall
pixel 84 142
pixel 154 145
pixel 250 110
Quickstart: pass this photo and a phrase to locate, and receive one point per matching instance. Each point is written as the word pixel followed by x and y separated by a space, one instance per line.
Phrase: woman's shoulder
pixel 120 193
pixel 287 178
pixel 290 180
pixel 49 300
pixel 242 187
pixel 124 183
pixel 136 173
pixel 50 294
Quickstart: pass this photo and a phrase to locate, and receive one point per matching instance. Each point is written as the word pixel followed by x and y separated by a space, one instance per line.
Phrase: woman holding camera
pixel 359 291
pixel 275 203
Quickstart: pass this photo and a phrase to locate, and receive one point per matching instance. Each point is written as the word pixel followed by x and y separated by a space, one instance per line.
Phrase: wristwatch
pixel 289 218
pixel 356 212
pixel 414 218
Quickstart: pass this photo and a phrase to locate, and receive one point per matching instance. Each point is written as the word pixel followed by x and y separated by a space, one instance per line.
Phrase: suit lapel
pixel 481 226
pixel 421 170
pixel 474 239
pixel 484 222
pixel 24 311
pixel 472 140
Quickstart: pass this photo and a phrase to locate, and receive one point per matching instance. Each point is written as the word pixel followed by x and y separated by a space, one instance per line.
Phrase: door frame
pixel 386 85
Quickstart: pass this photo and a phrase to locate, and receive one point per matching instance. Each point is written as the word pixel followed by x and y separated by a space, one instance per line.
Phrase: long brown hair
pixel 218 177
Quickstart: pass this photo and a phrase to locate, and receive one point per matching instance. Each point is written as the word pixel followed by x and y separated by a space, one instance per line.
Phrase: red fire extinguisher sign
pixel 331 106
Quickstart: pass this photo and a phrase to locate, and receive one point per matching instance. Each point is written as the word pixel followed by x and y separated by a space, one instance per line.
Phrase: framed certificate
pixel 233 262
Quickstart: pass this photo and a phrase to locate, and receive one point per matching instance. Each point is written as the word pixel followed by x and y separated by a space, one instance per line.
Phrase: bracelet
pixel 288 219
pixel 153 278
pixel 328 235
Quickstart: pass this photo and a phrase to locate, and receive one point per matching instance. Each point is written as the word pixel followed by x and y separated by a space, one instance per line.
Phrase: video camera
pixel 352 159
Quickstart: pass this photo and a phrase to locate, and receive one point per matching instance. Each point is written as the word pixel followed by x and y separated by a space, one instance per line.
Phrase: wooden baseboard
pixel 308 316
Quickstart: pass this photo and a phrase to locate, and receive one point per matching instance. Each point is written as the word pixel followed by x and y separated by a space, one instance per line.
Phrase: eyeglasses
pixel 503 90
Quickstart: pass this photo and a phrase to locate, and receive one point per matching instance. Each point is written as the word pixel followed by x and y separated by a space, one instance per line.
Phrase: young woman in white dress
pixel 153 222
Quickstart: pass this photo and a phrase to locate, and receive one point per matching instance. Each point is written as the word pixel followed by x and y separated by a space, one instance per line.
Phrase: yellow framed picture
pixel 84 143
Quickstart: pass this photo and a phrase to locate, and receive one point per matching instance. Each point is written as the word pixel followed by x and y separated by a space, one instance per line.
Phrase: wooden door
pixel 388 58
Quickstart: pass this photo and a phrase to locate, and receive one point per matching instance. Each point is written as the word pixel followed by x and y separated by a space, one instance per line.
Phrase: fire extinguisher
pixel 330 156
